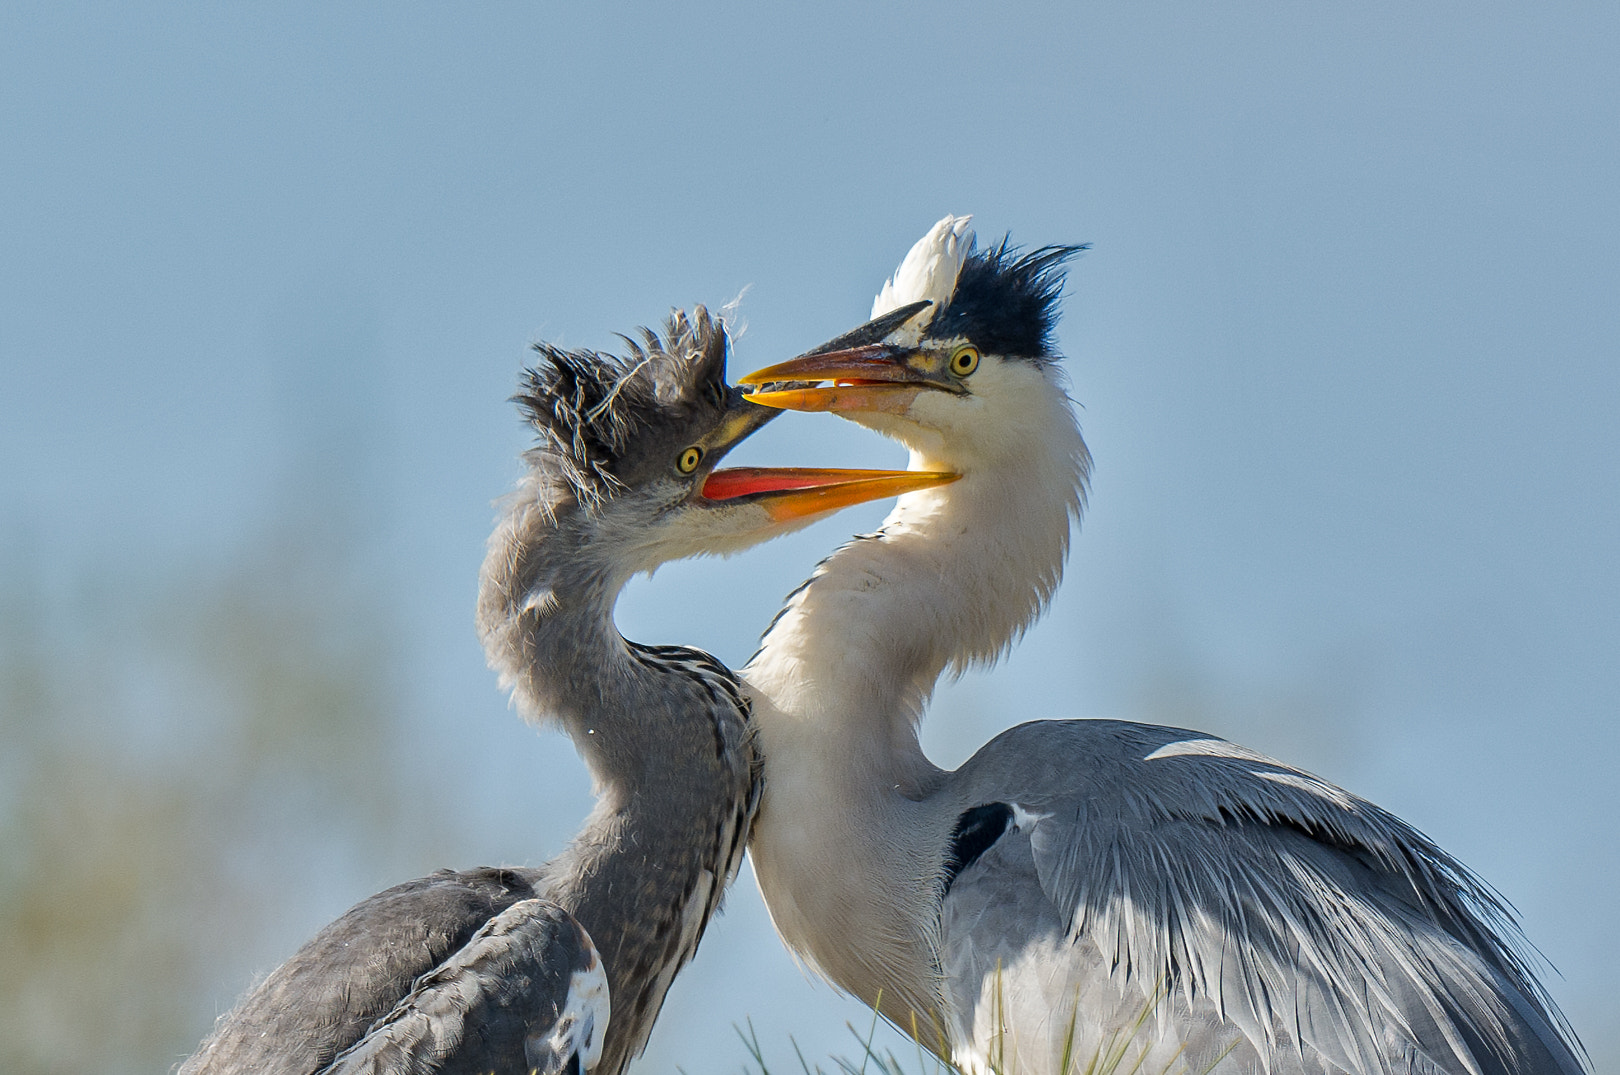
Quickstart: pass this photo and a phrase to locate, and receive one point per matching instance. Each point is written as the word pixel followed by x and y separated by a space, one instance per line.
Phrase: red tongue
pixel 740 481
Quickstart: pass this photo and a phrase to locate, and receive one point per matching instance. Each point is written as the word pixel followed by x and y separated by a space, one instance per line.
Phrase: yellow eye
pixel 964 361
pixel 689 459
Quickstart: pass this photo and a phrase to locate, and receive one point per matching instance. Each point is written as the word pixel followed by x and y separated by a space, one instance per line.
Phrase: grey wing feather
pixel 351 973
pixel 528 994
pixel 1307 918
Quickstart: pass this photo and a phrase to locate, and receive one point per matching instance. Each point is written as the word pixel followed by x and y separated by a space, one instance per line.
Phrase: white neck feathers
pixel 846 848
pixel 953 579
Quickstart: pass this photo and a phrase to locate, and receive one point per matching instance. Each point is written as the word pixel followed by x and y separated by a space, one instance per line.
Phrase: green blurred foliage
pixel 166 746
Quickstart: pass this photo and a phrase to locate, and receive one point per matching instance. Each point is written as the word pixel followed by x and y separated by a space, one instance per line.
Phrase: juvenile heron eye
pixel 689 459
pixel 964 361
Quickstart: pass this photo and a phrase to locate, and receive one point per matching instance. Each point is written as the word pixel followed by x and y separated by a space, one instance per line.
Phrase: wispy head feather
pixel 930 268
pixel 589 406
pixel 1006 301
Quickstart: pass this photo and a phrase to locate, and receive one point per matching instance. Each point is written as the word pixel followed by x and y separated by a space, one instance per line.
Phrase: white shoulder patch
pixel 929 270
pixel 1025 820
pixel 583 1022
pixel 1310 785
pixel 1209 748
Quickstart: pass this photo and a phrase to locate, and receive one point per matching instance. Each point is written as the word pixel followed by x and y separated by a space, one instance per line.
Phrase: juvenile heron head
pixel 629 447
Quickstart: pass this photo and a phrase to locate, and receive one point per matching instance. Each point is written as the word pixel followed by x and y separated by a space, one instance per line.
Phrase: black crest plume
pixel 589 406
pixel 1006 301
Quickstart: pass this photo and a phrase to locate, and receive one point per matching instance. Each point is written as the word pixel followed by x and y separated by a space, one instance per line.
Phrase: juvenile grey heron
pixel 563 968
pixel 1081 895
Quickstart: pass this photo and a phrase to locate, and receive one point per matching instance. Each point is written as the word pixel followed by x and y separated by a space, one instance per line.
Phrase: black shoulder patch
pixel 976 830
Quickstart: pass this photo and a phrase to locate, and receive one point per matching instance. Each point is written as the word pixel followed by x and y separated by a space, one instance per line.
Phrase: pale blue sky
pixel 1346 345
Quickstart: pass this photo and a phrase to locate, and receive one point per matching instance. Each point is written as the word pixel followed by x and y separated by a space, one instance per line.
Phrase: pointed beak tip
pixel 791 494
pixel 782 371
pixel 793 399
pixel 870 485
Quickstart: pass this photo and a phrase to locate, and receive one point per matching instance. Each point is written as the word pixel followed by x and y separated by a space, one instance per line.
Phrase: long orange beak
pixel 790 493
pixel 876 377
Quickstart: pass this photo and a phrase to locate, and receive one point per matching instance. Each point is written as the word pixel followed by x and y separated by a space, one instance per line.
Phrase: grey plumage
pixel 351 975
pixel 509 997
pixel 482 970
pixel 1079 896
pixel 1260 916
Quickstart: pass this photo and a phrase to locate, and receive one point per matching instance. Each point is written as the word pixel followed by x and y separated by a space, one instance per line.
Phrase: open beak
pixel 790 493
pixel 875 377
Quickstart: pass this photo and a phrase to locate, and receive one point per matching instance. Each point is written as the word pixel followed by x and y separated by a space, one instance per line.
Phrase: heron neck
pixel 951 580
pixel 668 751
pixel 849 841
pixel 545 614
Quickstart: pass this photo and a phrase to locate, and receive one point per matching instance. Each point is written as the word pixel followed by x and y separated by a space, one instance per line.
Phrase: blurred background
pixel 1346 348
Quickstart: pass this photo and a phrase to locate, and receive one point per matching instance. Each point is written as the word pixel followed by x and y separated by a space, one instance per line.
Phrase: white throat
pixel 952 579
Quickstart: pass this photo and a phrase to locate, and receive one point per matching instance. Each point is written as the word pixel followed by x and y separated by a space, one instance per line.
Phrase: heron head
pixel 958 362
pixel 629 448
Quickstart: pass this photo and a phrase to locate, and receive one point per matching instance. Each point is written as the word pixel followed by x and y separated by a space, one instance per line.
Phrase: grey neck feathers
pixel 545 615
pixel 670 756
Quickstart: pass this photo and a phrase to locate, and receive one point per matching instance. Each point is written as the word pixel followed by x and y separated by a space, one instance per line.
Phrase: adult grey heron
pixel 1081 895
pixel 562 968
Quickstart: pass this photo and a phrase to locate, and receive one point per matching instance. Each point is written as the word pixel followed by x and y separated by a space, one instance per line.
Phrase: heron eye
pixel 964 361
pixel 689 459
